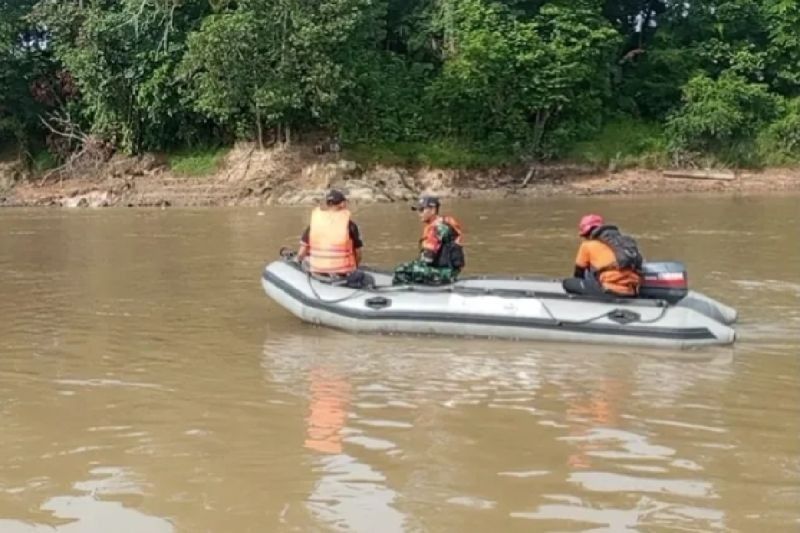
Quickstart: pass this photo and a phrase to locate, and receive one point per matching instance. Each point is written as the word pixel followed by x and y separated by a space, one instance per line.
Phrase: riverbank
pixel 298 176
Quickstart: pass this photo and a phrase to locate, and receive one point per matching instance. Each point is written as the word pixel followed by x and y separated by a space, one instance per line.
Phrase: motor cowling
pixel 665 280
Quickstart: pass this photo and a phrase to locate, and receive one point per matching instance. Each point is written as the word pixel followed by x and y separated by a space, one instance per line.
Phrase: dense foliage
pixel 523 78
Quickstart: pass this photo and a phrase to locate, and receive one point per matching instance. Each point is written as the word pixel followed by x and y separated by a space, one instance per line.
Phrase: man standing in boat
pixel 332 242
pixel 441 252
pixel 608 262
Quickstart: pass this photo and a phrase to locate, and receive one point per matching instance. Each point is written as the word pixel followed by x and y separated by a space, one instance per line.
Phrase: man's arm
pixel 431 243
pixel 302 253
pixel 581 262
pixel 358 244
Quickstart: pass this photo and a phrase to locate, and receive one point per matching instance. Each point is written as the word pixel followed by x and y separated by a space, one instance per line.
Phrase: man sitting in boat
pixel 441 252
pixel 608 262
pixel 332 242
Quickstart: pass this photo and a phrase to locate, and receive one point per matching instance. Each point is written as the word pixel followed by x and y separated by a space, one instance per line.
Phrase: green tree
pixel 511 80
pixel 720 116
pixel 24 64
pixel 386 100
pixel 779 143
pixel 224 70
pixel 783 53
pixel 682 39
pixel 279 64
pixel 123 57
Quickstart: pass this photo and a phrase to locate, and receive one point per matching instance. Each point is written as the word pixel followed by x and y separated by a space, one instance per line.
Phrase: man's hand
pixel 302 253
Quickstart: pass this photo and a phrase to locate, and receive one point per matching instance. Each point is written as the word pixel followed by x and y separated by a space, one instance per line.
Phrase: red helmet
pixel 588 223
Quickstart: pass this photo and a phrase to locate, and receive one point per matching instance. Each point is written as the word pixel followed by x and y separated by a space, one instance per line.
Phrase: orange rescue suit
pixel 599 257
pixel 331 248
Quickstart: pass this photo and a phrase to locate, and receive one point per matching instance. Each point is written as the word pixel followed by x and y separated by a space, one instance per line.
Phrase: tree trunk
pixel 259 129
pixel 700 174
pixel 288 133
pixel 646 22
pixel 542 116
pixel 449 25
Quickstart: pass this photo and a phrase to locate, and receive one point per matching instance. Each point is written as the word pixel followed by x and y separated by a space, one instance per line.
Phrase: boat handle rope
pixel 598 317
pixel 354 294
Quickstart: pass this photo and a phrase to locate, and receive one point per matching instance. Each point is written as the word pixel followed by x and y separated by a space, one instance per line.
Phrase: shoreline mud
pixel 297 176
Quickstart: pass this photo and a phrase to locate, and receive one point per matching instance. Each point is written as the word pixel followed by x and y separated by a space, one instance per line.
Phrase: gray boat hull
pixel 515 308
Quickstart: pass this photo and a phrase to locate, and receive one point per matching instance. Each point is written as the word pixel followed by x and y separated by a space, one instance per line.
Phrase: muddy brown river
pixel 148 385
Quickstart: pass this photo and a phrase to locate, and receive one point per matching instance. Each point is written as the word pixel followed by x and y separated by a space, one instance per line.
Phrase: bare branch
pixel 83 152
pixel 68 134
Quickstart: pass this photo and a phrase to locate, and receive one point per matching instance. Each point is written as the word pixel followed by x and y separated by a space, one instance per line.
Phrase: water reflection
pixel 584 413
pixel 330 398
pixel 349 494
pixel 600 421
pixel 89 513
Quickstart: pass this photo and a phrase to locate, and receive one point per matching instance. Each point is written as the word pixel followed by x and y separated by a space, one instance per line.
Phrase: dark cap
pixel 425 202
pixel 334 197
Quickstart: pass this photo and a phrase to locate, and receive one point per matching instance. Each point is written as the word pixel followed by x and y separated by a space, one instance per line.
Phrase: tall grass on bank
pixel 623 143
pixel 198 161
pixel 440 154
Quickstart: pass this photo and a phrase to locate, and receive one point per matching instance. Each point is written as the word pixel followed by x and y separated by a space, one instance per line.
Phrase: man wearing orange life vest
pixel 332 242
pixel 608 262
pixel 441 248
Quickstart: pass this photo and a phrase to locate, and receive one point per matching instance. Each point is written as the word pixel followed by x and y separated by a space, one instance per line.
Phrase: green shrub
pixel 197 161
pixel 720 118
pixel 43 161
pixel 621 143
pixel 445 154
pixel 779 143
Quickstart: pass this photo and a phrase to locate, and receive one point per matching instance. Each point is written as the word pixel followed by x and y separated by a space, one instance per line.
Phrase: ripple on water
pixel 472 502
pixel 633 446
pixel 524 473
pixel 352 496
pixel 645 513
pixel 613 482
pixel 88 513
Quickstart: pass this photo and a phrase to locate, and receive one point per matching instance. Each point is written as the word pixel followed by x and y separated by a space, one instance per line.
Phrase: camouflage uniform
pixel 422 271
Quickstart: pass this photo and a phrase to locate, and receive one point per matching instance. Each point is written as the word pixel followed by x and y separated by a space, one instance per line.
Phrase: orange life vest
pixel 329 239
pixel 456 225
pixel 430 238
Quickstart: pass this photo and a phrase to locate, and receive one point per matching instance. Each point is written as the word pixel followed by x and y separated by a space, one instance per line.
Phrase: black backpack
pixel 451 254
pixel 625 248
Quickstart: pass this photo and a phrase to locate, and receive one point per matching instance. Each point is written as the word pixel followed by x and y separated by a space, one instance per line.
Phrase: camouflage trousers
pixel 420 273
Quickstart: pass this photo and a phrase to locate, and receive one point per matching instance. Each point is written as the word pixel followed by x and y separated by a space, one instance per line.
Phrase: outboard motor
pixel 664 281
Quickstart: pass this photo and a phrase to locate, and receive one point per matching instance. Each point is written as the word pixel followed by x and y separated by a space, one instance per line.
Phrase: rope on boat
pixel 356 292
pixel 598 317
pixel 656 319
pixel 350 296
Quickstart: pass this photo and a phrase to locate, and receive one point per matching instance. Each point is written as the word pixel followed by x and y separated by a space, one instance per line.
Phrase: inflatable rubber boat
pixel 534 308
